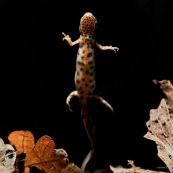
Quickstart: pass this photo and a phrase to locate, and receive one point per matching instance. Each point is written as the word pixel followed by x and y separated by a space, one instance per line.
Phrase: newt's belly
pixel 84 82
pixel 85 71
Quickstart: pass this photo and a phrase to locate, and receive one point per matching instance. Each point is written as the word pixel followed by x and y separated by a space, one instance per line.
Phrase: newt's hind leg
pixel 103 102
pixel 70 96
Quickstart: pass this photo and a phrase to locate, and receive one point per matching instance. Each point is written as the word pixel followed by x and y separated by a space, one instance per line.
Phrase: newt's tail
pixel 88 122
pixel 89 127
pixel 87 159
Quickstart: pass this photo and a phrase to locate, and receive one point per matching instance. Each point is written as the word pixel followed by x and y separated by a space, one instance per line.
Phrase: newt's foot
pixel 70 96
pixel 104 102
pixel 115 49
pixel 66 37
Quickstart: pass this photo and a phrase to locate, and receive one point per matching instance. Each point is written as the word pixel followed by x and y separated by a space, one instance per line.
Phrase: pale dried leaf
pixel 167 89
pixel 7 157
pixel 62 157
pixel 133 169
pixel 160 130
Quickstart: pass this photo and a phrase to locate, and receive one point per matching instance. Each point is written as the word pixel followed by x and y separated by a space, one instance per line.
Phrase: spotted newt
pixel 85 73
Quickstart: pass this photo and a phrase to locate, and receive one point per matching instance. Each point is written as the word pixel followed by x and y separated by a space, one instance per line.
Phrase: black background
pixel 37 70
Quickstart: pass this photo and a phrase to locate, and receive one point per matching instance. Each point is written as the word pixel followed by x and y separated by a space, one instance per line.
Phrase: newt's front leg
pixel 115 49
pixel 68 39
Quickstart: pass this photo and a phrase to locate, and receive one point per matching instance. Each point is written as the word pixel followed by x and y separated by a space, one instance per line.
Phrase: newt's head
pixel 88 24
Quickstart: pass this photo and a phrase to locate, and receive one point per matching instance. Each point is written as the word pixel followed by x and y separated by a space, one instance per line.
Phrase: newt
pixel 85 73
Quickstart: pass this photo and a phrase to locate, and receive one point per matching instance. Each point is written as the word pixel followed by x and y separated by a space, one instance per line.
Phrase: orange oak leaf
pixel 42 155
pixel 45 157
pixel 23 140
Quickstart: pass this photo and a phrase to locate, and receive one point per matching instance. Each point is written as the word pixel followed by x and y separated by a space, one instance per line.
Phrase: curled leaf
pixel 7 157
pixel 62 157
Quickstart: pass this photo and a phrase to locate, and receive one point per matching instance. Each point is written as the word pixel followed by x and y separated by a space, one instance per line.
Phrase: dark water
pixel 37 70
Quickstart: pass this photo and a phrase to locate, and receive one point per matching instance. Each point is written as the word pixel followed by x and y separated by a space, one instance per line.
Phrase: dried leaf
pixel 72 168
pixel 23 140
pixel 133 169
pixel 42 155
pixel 45 157
pixel 63 157
pixel 160 130
pixel 167 89
pixel 7 157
